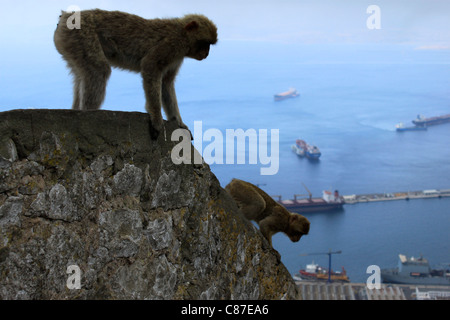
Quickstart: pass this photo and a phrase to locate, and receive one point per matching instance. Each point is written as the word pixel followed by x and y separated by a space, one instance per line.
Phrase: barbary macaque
pixel 271 216
pixel 154 47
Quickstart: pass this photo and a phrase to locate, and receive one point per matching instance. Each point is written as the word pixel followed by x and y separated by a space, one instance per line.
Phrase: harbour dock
pixel 312 290
pixel 373 197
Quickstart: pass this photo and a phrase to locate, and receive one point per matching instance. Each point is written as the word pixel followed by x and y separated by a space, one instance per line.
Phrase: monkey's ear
pixel 293 217
pixel 191 26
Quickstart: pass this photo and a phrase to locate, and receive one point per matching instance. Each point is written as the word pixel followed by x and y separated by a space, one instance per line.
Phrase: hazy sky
pixel 424 23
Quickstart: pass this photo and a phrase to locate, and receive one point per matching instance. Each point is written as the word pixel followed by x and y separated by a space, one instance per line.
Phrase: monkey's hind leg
pixel 248 200
pixel 93 86
pixel 76 91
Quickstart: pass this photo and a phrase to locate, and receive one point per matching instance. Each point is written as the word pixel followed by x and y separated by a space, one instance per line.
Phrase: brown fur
pixel 271 216
pixel 155 48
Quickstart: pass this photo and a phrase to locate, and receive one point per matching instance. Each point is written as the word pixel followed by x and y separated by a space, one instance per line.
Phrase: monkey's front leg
pixel 169 100
pixel 268 228
pixel 170 105
pixel 152 89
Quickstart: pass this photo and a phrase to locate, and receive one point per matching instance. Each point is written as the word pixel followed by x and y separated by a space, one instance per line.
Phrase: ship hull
pixel 313 156
pixel 281 98
pixel 416 128
pixel 316 205
pixel 392 276
pixel 322 277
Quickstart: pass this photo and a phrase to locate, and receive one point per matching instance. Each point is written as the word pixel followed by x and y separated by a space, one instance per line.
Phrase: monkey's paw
pixel 277 254
pixel 154 134
pixel 181 125
pixel 155 128
pixel 192 137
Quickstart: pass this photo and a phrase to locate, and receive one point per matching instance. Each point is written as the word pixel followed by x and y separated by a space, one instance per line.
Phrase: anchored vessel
pixel 415 271
pixel 422 121
pixel 329 201
pixel 317 273
pixel 401 127
pixel 302 149
pixel 291 93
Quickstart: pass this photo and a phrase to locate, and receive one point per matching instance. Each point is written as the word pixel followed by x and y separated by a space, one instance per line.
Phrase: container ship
pixel 421 121
pixel 302 149
pixel 291 93
pixel 415 271
pixel 329 202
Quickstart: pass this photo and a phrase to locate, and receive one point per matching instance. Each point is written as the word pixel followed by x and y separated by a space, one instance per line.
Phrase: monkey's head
pixel 201 33
pixel 298 226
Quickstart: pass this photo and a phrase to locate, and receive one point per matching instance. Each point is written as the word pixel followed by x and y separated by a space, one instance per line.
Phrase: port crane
pixel 301 195
pixel 295 195
pixel 329 253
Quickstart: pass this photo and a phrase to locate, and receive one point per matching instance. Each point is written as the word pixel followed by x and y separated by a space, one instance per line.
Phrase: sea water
pixel 352 96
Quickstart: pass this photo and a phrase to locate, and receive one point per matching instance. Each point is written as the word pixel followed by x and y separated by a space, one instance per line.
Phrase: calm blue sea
pixel 351 98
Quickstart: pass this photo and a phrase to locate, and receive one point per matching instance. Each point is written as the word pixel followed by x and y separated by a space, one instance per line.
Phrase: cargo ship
pixel 291 93
pixel 421 121
pixel 315 272
pixel 415 271
pixel 302 149
pixel 329 202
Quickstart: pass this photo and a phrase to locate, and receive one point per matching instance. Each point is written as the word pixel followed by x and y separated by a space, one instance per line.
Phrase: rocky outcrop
pixel 89 197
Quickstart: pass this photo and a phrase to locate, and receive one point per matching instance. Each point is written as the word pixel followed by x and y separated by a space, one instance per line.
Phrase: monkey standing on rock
pixel 271 216
pixel 155 48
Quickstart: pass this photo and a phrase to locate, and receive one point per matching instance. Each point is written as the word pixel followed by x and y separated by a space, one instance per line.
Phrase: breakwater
pixel 372 197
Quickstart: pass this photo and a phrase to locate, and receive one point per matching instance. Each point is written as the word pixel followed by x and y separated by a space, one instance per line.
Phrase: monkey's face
pixel 201 34
pixel 298 226
pixel 200 50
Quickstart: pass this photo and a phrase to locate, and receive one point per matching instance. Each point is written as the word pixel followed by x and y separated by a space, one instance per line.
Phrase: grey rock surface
pixel 92 190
